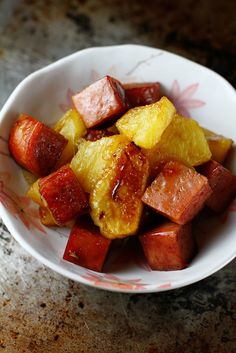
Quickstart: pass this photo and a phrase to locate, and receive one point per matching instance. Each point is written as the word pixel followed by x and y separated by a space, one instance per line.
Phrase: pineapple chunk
pixel 34 194
pixel 115 202
pixel 183 141
pixel 72 127
pixel 46 217
pixel 94 158
pixel 219 145
pixel 145 125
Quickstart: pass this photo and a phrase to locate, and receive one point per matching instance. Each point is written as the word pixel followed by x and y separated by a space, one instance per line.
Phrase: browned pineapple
pixel 94 158
pixel 44 213
pixel 115 202
pixel 219 145
pixel 184 141
pixel 72 127
pixel 46 217
pixel 145 125
pixel 34 194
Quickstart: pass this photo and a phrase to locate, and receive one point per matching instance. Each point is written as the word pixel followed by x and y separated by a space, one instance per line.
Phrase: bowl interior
pixel 196 91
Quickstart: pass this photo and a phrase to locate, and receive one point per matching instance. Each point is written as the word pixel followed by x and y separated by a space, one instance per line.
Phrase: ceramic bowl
pixel 196 91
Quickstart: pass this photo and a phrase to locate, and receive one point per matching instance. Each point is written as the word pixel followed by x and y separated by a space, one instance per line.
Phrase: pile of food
pixel 121 153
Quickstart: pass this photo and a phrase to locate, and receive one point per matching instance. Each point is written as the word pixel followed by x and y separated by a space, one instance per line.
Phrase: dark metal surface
pixel 41 311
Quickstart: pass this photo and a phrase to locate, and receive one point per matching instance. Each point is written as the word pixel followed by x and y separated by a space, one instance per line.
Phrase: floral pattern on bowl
pixel 183 100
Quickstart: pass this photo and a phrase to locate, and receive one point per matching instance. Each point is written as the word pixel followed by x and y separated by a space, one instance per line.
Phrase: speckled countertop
pixel 41 311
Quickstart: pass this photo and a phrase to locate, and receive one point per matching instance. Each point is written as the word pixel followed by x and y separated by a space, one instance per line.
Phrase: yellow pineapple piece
pixel 145 125
pixel 219 145
pixel 115 202
pixel 72 127
pixel 34 194
pixel 183 141
pixel 94 158
pixel 46 217
pixel 48 220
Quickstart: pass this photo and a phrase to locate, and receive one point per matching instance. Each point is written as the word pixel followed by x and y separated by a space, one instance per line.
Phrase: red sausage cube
pixel 178 192
pixel 86 246
pixel 63 194
pixel 223 184
pixel 100 101
pixel 169 246
pixel 35 146
pixel 142 93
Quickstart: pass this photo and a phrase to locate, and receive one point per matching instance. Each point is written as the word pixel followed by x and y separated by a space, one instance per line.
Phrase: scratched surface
pixel 41 311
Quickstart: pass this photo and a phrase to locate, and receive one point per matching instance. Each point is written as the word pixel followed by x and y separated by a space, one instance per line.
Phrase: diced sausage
pixel 139 94
pixel 169 246
pixel 63 194
pixel 86 246
pixel 178 192
pixel 35 146
pixel 101 101
pixel 223 184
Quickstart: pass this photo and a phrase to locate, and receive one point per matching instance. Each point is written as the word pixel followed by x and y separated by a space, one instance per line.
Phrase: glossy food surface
pixel 86 247
pixel 35 146
pixel 168 246
pixel 223 184
pixel 178 192
pixel 145 125
pixel 64 196
pixel 183 141
pixel 142 93
pixel 100 101
pixel 115 202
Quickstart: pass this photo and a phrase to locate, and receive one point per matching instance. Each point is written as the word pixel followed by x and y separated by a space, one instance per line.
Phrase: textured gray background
pixel 41 311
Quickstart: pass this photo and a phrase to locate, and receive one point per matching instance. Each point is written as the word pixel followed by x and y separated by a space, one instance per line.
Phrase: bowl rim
pixel 150 288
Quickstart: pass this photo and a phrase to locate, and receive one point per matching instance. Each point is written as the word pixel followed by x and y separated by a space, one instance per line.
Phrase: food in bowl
pixel 108 157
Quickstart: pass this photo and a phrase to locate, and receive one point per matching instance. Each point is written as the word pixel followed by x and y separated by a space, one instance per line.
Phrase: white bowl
pixel 196 91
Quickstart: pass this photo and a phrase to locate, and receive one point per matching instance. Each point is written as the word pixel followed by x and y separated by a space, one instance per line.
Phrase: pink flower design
pixel 19 206
pixel 111 281
pixel 68 104
pixel 183 100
